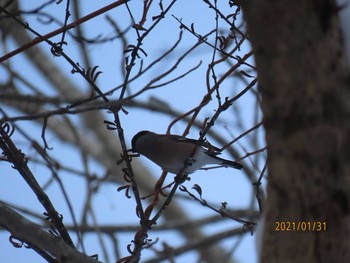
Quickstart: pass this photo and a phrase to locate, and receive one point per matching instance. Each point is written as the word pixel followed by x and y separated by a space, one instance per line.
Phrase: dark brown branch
pixel 38 40
pixel 32 234
pixel 17 158
pixel 197 244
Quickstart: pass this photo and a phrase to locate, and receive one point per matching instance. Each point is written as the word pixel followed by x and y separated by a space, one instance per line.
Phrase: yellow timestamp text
pixel 300 226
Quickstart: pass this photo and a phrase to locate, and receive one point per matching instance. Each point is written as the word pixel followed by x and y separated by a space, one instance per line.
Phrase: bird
pixel 175 154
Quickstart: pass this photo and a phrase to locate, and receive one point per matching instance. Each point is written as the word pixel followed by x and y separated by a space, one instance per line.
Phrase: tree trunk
pixel 305 86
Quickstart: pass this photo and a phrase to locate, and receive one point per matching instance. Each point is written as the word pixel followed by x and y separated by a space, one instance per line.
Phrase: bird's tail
pixel 232 164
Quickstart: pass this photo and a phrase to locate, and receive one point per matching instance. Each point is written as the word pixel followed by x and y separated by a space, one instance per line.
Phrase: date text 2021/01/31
pixel 300 226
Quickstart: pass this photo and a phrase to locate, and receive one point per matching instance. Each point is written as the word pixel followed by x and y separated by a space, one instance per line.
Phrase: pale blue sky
pixel 218 185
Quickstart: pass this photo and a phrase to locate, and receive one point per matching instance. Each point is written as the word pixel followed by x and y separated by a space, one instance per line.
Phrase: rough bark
pixel 304 83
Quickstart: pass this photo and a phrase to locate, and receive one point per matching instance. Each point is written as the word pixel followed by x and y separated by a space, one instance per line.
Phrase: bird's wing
pixel 204 144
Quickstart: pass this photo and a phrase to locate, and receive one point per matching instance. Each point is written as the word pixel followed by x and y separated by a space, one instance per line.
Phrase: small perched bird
pixel 172 152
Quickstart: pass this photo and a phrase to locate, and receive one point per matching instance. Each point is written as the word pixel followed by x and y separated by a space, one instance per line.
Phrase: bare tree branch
pixel 32 234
